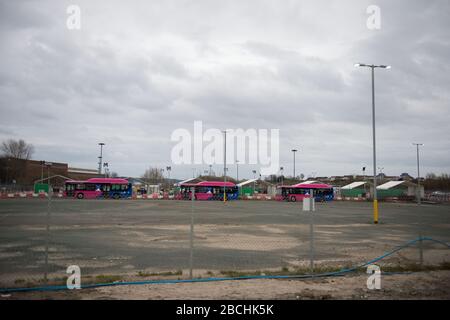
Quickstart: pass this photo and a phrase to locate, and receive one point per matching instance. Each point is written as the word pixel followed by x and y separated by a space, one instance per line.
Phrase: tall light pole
pixel 381 171
pixel 106 167
pixel 101 144
pixel 168 176
pixel 375 200
pixel 294 151
pixel 224 165
pixel 237 171
pixel 281 172
pixel 418 173
pixel 364 179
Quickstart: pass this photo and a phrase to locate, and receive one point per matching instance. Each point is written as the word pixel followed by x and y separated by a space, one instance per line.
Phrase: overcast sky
pixel 137 70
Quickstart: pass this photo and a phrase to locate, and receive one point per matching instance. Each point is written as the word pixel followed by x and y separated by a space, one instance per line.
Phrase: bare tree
pixel 153 175
pixel 18 149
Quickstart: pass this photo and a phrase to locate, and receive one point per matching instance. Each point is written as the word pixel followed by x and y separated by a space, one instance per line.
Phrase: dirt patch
pixel 420 285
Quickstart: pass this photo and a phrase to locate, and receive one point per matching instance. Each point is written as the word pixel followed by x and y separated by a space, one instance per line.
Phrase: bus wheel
pixel 80 195
pixel 293 199
pixel 116 196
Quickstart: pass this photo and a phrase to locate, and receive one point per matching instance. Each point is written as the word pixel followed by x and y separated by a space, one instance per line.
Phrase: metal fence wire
pixel 118 241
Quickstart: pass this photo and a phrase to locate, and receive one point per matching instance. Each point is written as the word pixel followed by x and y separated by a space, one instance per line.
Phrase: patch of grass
pixel 415 267
pixel 107 278
pixel 285 271
pixel 156 274
pixel 235 274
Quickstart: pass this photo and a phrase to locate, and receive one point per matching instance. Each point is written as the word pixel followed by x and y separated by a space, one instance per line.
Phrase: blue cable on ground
pixel 196 280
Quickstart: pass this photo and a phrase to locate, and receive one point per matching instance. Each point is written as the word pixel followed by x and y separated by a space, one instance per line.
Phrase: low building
pixel 22 175
pixel 253 186
pixel 356 189
pixel 82 174
pixel 397 189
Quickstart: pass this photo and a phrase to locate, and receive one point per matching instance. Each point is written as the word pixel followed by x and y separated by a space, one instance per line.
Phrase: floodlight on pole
pixel 224 165
pixel 419 195
pixel 375 200
pixel 294 151
pixel 100 158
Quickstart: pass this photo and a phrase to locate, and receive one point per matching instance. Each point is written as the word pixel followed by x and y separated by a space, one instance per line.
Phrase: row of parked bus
pixel 116 188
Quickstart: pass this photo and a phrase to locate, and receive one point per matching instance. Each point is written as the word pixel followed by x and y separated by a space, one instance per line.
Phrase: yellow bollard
pixel 375 211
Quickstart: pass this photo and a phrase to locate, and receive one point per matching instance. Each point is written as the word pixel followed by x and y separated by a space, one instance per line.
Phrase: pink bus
pixel 95 188
pixel 297 192
pixel 208 190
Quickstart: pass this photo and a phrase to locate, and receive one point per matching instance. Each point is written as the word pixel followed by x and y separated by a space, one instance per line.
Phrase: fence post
pixel 311 231
pixel 191 235
pixel 47 235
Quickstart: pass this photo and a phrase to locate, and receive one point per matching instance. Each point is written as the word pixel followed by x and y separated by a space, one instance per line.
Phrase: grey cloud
pixel 136 71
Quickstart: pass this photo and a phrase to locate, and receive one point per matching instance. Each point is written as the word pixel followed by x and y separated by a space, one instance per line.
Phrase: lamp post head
pixel 372 65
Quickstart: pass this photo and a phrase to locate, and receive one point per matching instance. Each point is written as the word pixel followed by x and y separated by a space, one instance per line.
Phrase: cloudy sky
pixel 138 70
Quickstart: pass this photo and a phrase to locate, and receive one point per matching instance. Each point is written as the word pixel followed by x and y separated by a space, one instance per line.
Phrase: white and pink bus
pixel 208 190
pixel 95 188
pixel 297 192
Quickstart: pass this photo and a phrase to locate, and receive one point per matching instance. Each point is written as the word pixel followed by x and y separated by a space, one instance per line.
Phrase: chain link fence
pixel 130 240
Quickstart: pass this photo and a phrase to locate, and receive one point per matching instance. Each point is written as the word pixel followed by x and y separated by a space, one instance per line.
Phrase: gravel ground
pixel 126 238
pixel 420 285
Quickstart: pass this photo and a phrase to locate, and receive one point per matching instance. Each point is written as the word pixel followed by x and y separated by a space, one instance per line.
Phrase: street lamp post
pixel 418 173
pixel 168 175
pixel 224 165
pixel 418 203
pixel 281 172
pixel 294 151
pixel 106 168
pixel 101 144
pixel 380 169
pixel 364 179
pixel 237 171
pixel 375 200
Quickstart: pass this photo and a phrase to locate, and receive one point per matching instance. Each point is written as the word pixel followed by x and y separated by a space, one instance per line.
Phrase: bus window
pixel 90 187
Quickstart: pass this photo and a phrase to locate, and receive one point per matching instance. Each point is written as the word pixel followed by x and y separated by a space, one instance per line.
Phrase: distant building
pixel 399 189
pixel 356 189
pixel 23 174
pixel 406 177
pixel 252 186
